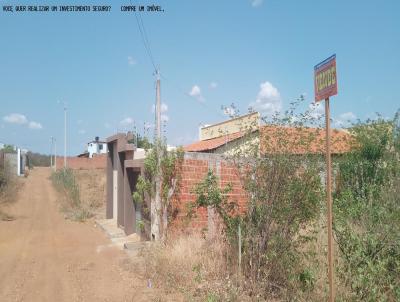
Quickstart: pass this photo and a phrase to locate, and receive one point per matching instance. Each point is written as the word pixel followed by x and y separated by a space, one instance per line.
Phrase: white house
pixel 96 147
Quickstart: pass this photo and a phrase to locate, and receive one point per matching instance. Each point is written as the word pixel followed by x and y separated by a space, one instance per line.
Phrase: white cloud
pixel 347 116
pixel 195 92
pixel 82 131
pixel 16 118
pixel 20 119
pixel 345 119
pixel 316 110
pixel 131 61
pixel 255 3
pixel 213 85
pixel 126 122
pixel 35 125
pixel 268 99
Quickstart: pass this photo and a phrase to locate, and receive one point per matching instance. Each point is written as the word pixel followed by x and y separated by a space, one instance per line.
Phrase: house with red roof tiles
pixel 228 138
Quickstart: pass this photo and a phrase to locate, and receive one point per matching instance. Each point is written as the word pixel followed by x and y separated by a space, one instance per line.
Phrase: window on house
pixel 101 147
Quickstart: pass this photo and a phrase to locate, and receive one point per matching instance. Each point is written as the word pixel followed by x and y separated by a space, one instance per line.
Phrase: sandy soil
pixel 44 257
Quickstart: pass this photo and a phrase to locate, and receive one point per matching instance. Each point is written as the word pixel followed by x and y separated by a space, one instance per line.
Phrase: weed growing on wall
pixel 209 194
pixel 161 180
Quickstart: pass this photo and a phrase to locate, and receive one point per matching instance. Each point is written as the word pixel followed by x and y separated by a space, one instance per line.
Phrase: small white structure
pixel 96 147
pixel 17 161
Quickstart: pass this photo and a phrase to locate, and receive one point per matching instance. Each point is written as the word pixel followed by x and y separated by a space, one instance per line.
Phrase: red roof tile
pixel 278 139
pixel 213 143
pixel 301 140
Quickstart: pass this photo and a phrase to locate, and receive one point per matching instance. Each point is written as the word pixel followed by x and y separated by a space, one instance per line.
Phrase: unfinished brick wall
pixel 193 170
pixel 230 175
pixel 83 163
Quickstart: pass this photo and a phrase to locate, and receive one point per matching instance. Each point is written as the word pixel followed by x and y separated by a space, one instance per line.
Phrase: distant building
pixel 96 147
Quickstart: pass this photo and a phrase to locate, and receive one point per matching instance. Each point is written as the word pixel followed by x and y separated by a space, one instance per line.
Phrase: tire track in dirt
pixel 44 257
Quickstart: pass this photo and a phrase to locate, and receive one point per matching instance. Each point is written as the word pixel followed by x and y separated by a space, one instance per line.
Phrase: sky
pixel 258 53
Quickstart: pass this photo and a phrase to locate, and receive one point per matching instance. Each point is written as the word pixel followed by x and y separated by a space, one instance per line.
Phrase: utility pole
pixel 51 151
pixel 158 105
pixel 55 155
pixel 156 207
pixel 65 136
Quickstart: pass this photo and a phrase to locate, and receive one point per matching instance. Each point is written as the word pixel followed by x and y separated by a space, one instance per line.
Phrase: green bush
pixel 367 215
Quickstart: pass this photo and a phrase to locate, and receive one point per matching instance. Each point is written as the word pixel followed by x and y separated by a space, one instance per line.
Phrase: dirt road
pixel 44 257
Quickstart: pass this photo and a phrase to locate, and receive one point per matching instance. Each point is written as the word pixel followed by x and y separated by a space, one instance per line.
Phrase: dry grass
pixel 316 251
pixel 82 193
pixel 195 267
pixel 92 188
pixel 200 270
pixel 8 195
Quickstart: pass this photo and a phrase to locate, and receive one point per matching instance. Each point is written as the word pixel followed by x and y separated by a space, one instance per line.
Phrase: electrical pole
pixel 55 155
pixel 158 106
pixel 156 207
pixel 65 136
pixel 51 151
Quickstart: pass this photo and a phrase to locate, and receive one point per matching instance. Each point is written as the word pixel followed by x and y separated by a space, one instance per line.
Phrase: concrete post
pixel 110 168
pixel 120 182
pixel 129 209
pixel 19 164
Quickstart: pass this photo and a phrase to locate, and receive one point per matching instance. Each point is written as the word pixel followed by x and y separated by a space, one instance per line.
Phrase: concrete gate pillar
pixel 110 168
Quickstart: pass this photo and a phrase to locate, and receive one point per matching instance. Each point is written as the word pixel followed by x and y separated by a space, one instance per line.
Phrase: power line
pixel 145 40
pixel 145 35
pixel 201 103
pixel 146 44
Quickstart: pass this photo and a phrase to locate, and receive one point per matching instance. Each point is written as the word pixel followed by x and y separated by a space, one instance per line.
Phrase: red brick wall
pixel 230 175
pixel 193 171
pixel 78 163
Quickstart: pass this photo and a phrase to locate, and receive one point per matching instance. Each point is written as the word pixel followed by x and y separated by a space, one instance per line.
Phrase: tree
pixel 160 182
pixel 8 149
pixel 141 142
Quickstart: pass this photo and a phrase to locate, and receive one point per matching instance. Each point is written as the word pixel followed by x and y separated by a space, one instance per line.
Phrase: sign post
pixel 325 84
